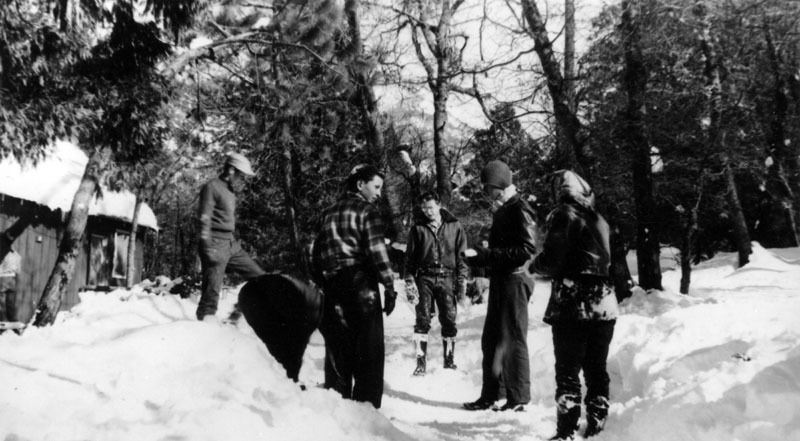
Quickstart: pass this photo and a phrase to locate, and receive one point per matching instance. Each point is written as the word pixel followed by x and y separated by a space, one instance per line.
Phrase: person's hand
pixel 389 297
pixel 412 293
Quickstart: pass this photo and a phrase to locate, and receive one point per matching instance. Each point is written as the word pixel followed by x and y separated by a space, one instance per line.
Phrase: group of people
pixel 350 260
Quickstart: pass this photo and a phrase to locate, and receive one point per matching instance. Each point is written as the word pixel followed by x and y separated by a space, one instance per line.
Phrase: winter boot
pixel 596 413
pixel 421 346
pixel 569 412
pixel 449 350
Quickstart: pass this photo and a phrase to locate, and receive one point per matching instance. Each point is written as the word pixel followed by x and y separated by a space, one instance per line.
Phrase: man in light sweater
pixel 219 250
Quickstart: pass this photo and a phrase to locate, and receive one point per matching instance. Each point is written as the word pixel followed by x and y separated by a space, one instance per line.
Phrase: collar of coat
pixel 447 217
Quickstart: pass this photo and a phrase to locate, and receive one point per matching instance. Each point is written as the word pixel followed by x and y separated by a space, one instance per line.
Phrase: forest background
pixel 682 114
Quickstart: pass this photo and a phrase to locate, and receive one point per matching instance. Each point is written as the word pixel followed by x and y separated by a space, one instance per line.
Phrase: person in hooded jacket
pixel 434 263
pixel 582 309
pixel 504 345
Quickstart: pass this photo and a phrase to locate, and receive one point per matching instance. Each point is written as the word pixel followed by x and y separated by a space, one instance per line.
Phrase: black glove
pixel 389 297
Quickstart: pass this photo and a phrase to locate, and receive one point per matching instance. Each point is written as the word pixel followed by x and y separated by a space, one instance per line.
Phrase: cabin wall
pixel 38 247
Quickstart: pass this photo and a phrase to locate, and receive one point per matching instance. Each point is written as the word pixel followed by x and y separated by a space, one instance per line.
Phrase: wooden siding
pixel 38 247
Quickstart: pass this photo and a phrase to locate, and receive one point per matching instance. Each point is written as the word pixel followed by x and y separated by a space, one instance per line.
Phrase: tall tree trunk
pixel 130 271
pixel 565 114
pixel 70 247
pixel 635 83
pixel 571 129
pixel 291 205
pixel 569 50
pixel 687 242
pixel 438 79
pixel 784 172
pixel 716 138
pixel 443 186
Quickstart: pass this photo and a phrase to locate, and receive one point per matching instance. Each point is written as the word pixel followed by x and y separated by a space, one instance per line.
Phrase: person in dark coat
pixel 504 341
pixel 220 251
pixel 350 260
pixel 582 308
pixel 435 264
pixel 283 312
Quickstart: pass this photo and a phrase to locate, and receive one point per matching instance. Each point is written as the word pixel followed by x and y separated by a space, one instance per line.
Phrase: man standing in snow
pixel 435 264
pixel 350 260
pixel 504 341
pixel 219 250
pixel 583 308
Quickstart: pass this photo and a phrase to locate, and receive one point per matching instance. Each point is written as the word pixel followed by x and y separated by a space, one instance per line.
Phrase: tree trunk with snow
pixel 70 247
pixel 130 271
pixel 635 83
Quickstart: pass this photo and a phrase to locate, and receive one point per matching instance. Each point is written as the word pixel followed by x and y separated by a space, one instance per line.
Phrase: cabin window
pixel 100 258
pixel 120 256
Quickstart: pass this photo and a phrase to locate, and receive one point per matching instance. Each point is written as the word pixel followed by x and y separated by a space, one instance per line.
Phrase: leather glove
pixel 389 297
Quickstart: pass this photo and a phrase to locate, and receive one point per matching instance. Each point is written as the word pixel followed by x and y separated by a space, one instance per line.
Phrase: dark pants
pixel 505 339
pixel 582 345
pixel 283 312
pixel 352 324
pixel 438 289
pixel 8 298
pixel 220 256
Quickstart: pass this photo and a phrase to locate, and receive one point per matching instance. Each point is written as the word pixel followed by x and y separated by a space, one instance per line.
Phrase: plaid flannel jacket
pixel 352 235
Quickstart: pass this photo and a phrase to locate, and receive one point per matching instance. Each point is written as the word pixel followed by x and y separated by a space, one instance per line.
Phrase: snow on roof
pixel 53 181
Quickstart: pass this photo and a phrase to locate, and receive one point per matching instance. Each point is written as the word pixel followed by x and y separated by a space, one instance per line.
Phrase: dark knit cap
pixel 497 174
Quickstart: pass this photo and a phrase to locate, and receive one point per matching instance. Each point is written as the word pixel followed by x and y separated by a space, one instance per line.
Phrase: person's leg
pixel 339 336
pixel 596 375
pixel 369 343
pixel 241 263
pixel 213 260
pixel 447 303
pixel 569 344
pixel 516 365
pixel 423 318
pixel 490 340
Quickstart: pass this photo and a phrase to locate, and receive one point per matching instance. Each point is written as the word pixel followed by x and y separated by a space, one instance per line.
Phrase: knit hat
pixel 239 162
pixel 496 174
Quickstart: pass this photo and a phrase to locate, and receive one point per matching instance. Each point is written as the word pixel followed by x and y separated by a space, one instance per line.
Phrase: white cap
pixel 239 162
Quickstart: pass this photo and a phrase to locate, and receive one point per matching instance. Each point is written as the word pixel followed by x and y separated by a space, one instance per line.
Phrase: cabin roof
pixel 54 179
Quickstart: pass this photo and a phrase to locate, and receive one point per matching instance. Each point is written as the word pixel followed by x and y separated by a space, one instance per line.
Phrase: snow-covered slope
pixel 720 364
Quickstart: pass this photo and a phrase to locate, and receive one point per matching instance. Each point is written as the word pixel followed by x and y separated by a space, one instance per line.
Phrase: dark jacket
pixel 442 249
pixel 576 241
pixel 576 255
pixel 511 242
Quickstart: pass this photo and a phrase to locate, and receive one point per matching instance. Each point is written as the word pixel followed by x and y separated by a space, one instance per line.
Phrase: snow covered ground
pixel 720 364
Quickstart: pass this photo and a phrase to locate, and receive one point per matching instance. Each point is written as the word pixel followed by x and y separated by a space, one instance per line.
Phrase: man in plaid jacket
pixel 350 260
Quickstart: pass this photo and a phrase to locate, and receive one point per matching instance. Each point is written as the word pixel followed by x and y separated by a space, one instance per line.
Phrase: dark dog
pixel 283 312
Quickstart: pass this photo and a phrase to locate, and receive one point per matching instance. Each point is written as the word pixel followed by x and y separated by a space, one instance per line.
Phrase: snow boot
pixel 510 405
pixel 569 412
pixel 449 350
pixel 596 414
pixel 421 346
pixel 479 404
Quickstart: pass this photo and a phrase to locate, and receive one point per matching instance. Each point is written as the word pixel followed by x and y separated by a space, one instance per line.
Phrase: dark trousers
pixel 283 312
pixel 505 339
pixel 582 345
pixel 220 256
pixel 352 324
pixel 438 289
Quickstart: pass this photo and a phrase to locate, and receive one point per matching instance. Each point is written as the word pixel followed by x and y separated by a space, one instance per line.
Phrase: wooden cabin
pixel 34 202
